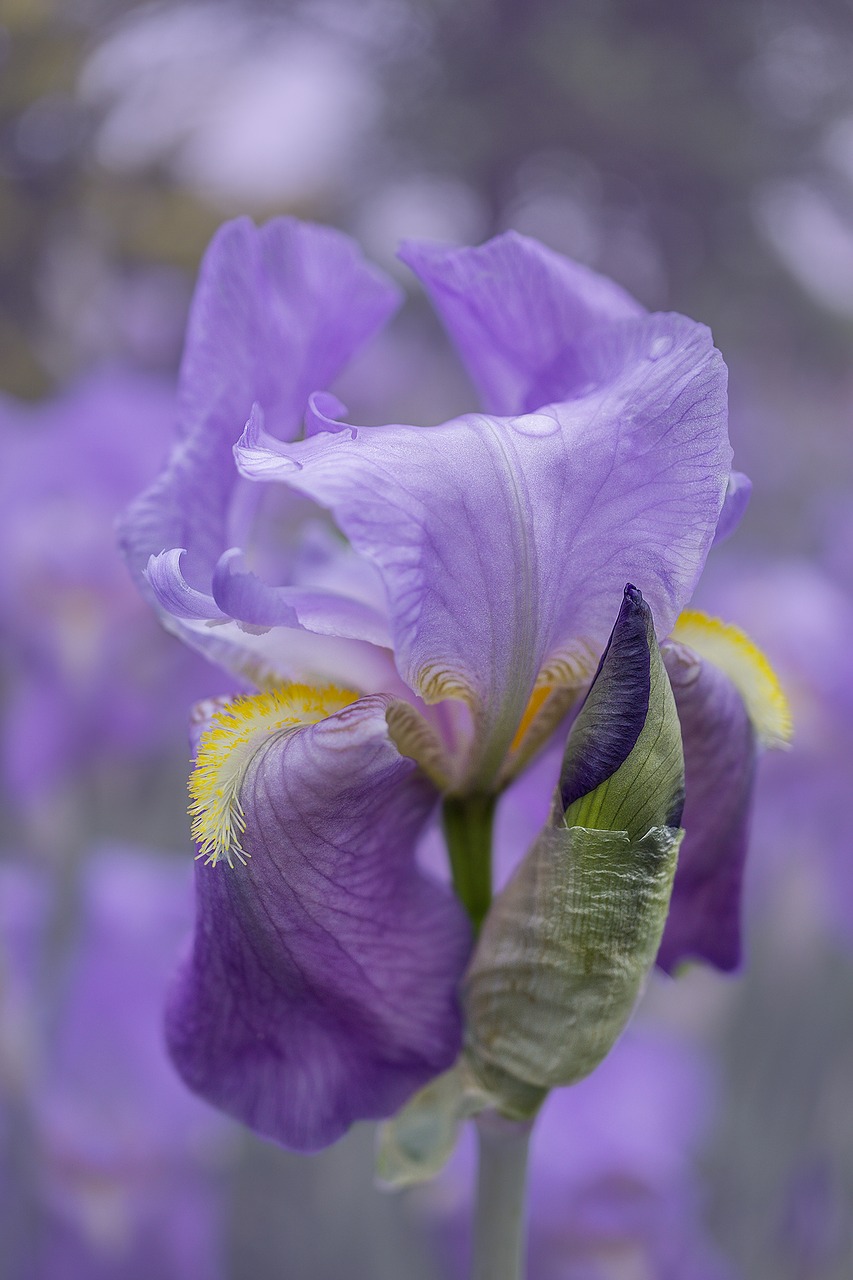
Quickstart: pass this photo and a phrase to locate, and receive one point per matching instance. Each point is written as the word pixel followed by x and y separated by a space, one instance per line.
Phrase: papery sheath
pixel 612 1173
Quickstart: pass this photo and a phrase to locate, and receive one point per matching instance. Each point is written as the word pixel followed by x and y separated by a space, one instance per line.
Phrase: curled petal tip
pixel 325 413
pixel 734 653
pixel 735 502
pixel 165 576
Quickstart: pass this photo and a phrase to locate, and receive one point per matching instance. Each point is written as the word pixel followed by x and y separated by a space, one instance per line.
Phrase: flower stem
pixel 468 829
pixel 499 1226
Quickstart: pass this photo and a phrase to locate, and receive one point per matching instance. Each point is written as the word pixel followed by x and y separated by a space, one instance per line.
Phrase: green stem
pixel 468 829
pixel 499 1226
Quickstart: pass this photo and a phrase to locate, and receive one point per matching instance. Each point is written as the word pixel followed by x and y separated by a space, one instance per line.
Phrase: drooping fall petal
pixel 729 704
pixel 321 988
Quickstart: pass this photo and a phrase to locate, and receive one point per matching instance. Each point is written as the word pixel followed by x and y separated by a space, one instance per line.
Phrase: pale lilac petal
pixel 241 594
pixel 175 595
pixel 738 494
pixel 525 806
pixel 277 313
pixel 263 656
pixel 324 413
pixel 704 920
pixel 516 312
pixel 505 544
pixel 257 654
pixel 321 988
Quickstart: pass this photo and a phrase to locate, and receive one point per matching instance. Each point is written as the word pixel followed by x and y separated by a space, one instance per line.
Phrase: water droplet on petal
pixel 660 347
pixel 535 424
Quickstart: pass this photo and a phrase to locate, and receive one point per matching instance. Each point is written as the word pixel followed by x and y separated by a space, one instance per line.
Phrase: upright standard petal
pixel 504 544
pixel 321 987
pixel 277 313
pixel 729 704
pixel 517 312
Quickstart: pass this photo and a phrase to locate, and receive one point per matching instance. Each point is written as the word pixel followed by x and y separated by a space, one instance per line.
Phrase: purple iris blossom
pixel 440 597
pixel 125 1172
pixel 613 1187
pixel 82 660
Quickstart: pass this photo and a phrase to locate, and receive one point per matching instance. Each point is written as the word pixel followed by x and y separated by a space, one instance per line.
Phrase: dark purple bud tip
pixel 616 706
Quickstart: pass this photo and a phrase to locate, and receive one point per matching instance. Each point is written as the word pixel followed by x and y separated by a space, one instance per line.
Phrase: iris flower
pixel 411 613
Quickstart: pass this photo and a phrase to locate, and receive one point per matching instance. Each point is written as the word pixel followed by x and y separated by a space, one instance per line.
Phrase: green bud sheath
pixel 419 1140
pixel 567 945
pixel 563 956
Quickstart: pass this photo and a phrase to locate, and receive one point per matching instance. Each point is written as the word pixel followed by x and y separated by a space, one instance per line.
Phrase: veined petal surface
pixel 504 544
pixel 730 704
pixel 516 312
pixel 720 753
pixel 321 987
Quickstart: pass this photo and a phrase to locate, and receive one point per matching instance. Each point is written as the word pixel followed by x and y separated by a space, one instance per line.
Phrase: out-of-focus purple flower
pixel 124 1175
pixel 613 1190
pixel 250 108
pixel 87 673
pixel 456 583
pixel 814 1218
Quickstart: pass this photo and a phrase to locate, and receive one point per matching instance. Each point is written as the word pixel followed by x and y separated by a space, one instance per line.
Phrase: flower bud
pixel 623 769
pixel 566 947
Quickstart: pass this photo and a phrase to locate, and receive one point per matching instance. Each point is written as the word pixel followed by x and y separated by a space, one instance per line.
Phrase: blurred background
pixel 702 155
